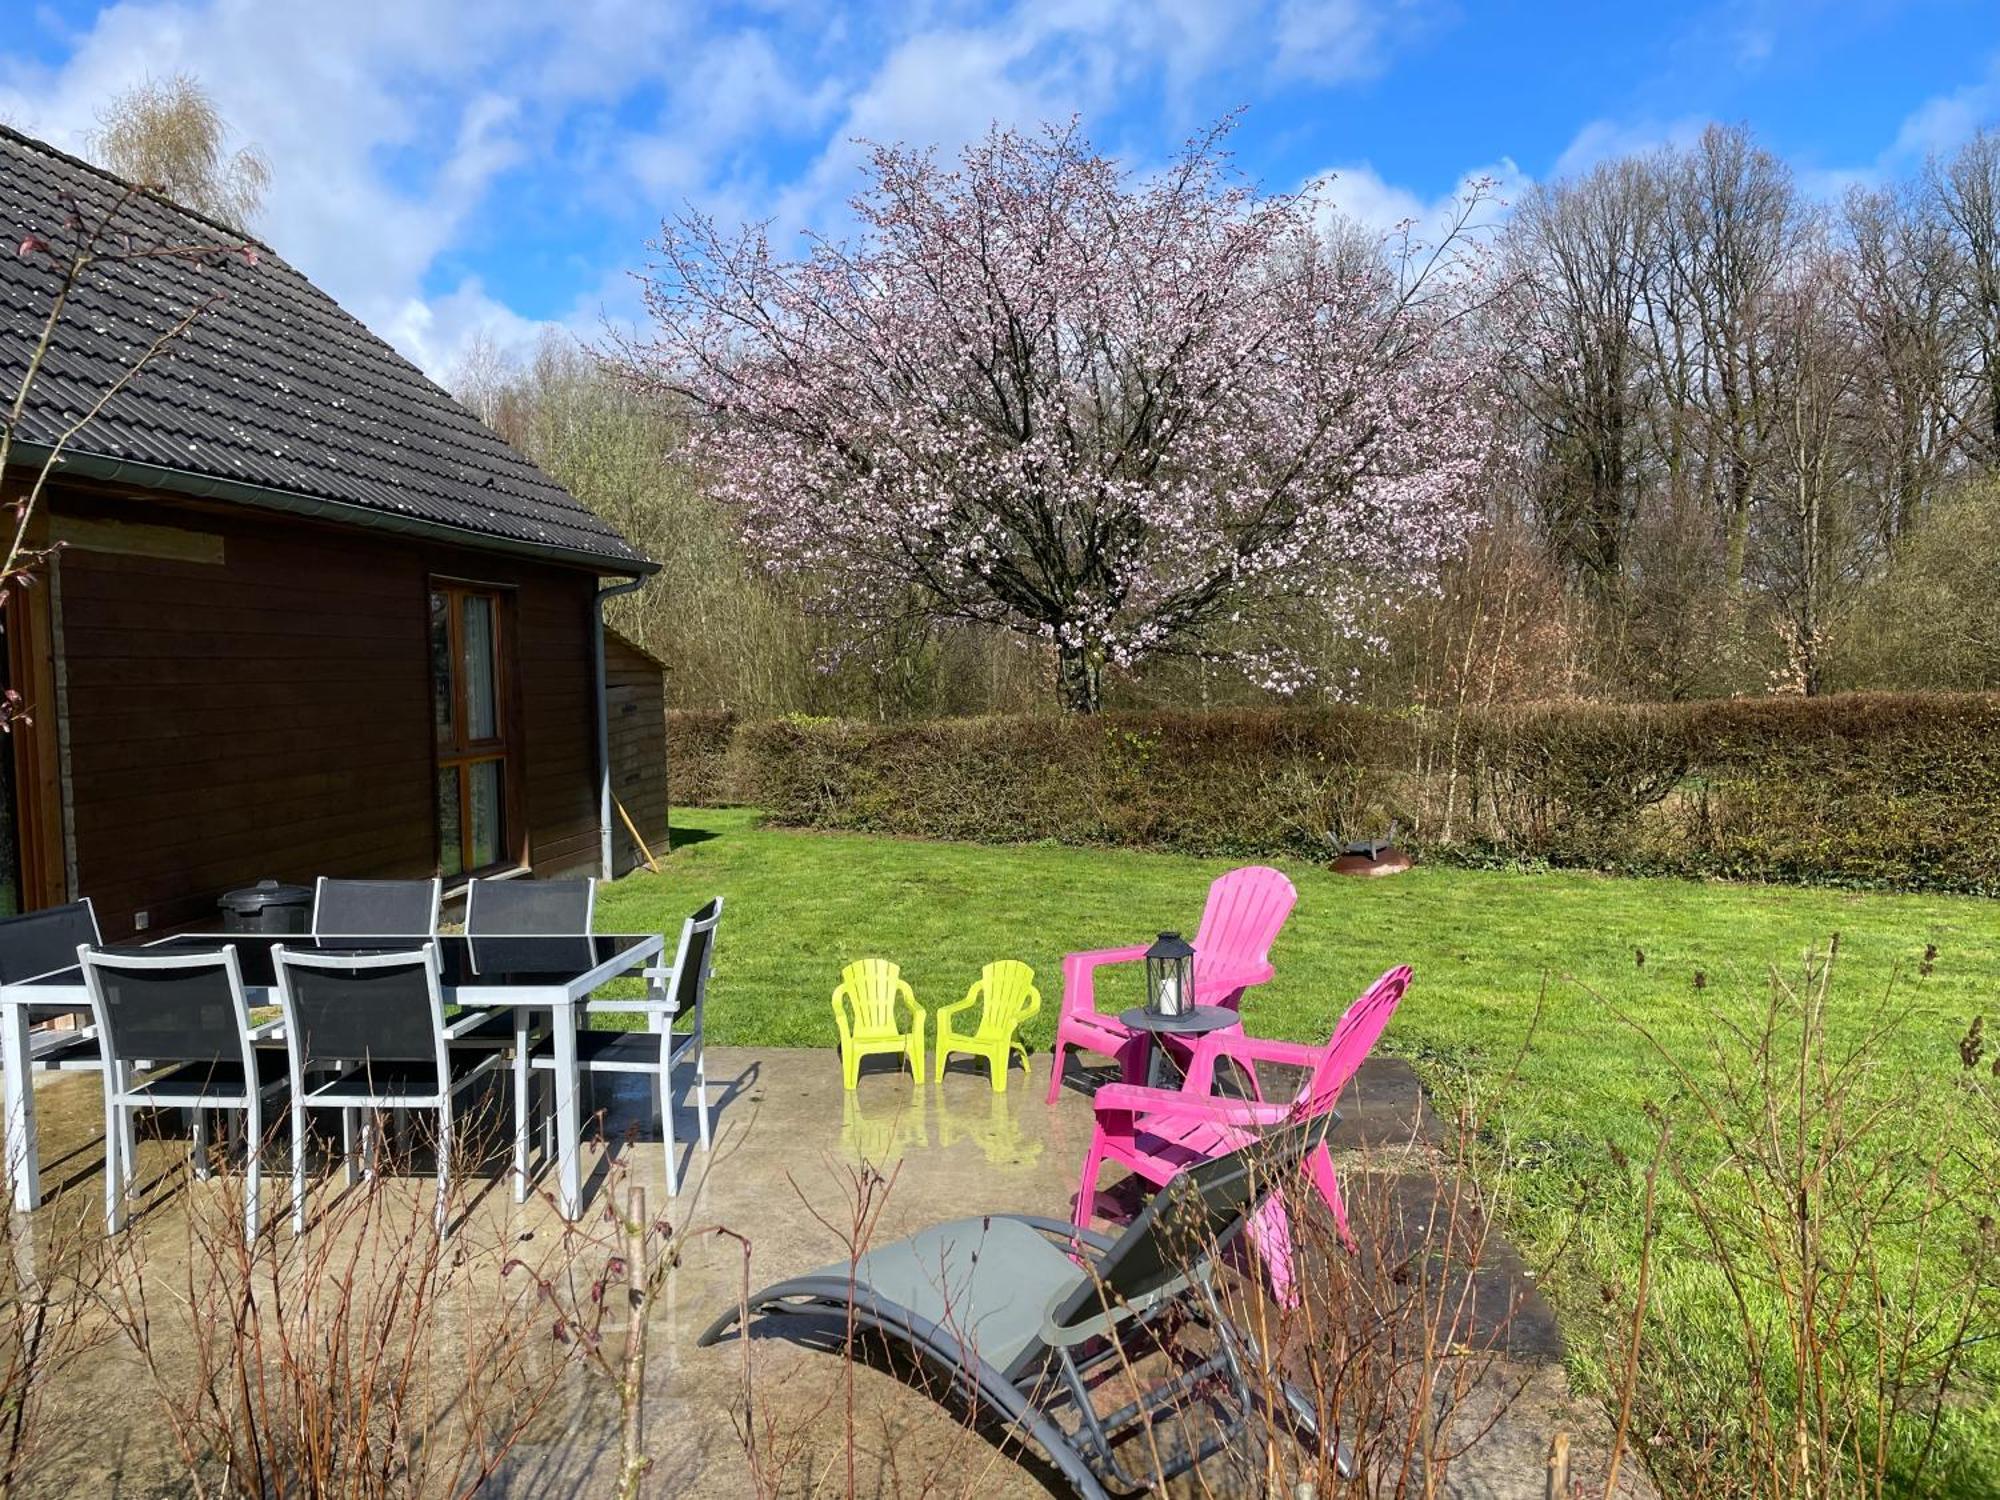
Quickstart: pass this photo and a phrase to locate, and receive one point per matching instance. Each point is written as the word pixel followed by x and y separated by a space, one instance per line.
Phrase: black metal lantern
pixel 1170 976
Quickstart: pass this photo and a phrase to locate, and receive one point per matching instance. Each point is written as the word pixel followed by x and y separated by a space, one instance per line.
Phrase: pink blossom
pixel 1132 417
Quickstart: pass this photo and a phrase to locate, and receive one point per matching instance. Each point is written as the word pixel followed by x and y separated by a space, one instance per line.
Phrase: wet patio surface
pixel 789 1146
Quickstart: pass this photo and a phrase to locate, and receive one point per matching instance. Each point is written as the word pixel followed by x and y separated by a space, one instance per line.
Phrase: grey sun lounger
pixel 1021 1328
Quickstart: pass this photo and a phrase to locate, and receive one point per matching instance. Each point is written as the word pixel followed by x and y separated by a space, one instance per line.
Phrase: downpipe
pixel 610 591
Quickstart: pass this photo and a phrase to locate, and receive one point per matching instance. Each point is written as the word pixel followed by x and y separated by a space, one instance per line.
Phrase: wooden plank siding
pixel 635 701
pixel 269 714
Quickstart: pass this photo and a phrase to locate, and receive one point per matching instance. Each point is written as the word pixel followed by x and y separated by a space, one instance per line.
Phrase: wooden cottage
pixel 305 614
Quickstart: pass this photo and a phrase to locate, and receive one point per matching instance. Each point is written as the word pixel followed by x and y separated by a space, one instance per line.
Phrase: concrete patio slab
pixel 793 1155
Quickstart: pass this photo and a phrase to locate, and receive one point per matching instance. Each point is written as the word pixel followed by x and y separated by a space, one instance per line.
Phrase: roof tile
pixel 273 385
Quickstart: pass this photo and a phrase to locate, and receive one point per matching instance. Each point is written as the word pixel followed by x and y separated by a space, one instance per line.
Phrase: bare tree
pixel 1899 289
pixel 168 135
pixel 1731 224
pixel 1966 191
pixel 1807 547
pixel 1580 250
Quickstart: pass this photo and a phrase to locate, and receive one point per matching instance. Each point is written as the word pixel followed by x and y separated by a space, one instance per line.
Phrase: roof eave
pixel 134 472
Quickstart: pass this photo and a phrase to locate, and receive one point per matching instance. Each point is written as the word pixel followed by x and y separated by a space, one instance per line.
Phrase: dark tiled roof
pixel 274 386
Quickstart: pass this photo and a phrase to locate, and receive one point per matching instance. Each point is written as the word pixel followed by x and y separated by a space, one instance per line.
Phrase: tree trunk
pixel 1079 680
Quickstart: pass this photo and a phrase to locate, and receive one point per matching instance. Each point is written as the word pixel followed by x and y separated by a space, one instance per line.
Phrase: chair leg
pixel 298 1167
pixel 444 1165
pixel 996 1063
pixel 523 1121
pixel 253 1164
pixel 701 1084
pixel 349 1167
pixel 850 1069
pixel 546 1088
pixel 1086 1186
pixel 371 1127
pixel 663 1087
pixel 114 1153
pixel 1270 1232
pixel 1055 1071
pixel 199 1149
pixel 128 1137
pixel 1320 1168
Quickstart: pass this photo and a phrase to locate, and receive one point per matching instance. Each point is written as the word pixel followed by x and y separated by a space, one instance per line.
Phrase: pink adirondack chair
pixel 1159 1132
pixel 1232 951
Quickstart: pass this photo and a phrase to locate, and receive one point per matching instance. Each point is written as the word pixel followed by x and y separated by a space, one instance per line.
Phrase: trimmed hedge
pixel 1874 790
pixel 700 757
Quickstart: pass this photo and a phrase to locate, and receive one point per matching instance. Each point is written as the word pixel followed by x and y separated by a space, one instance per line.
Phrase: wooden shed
pixel 300 612
pixel 635 705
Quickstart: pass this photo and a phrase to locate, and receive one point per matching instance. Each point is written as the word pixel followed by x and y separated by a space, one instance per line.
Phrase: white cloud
pixel 349 100
pixel 1601 140
pixel 1936 127
pixel 1360 194
pixel 437 332
pixel 1943 123
pixel 946 87
pixel 396 128
pixel 1339 41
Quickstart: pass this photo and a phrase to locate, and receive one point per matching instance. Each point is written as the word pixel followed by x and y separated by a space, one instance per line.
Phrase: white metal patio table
pixel 524 974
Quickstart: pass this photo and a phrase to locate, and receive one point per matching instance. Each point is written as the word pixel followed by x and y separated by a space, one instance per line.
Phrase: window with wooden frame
pixel 478 764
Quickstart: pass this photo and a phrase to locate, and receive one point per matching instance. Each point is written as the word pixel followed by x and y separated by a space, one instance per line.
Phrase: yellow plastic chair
pixel 872 989
pixel 1007 988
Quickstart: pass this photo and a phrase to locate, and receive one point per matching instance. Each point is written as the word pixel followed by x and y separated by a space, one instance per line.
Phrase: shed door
pixel 10 816
pixel 31 864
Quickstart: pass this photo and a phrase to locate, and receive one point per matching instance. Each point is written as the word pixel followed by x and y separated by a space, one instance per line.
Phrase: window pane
pixel 483 784
pixel 451 860
pixel 476 646
pixel 441 666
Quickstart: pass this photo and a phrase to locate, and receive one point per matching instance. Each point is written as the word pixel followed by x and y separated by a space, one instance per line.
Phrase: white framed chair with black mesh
pixel 38 945
pixel 376 908
pixel 671 1034
pixel 524 908
pixel 176 1034
pixel 373 1026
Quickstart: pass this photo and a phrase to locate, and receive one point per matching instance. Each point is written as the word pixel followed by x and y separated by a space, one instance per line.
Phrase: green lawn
pixel 1483 945
pixel 799 905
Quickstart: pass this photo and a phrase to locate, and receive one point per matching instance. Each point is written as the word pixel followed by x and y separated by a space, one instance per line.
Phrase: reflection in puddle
pixel 882 1126
pixel 887 1126
pixel 988 1121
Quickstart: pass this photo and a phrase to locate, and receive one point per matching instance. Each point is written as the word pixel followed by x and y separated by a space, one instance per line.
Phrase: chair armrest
pixel 945 1012
pixel 633 1007
pixel 465 1023
pixel 907 996
pixel 265 1030
pixel 942 1020
pixel 1032 1008
pixel 1135 1099
pixel 1244 1048
pixel 1091 958
pixel 840 1019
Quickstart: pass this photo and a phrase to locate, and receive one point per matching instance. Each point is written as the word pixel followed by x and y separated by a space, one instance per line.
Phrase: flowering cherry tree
pixel 1130 417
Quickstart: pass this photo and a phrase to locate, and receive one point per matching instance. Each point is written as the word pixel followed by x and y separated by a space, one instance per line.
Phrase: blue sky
pixel 453 171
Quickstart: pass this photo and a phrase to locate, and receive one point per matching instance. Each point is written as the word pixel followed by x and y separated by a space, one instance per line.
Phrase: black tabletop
pixel 1197 1020
pixel 461 960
